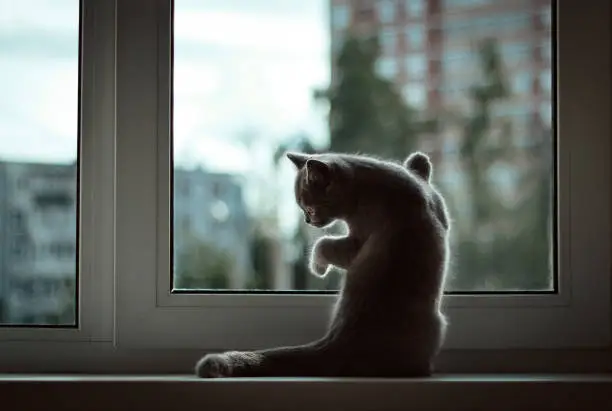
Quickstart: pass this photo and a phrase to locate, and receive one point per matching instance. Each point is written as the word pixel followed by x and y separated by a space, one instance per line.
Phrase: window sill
pixel 456 392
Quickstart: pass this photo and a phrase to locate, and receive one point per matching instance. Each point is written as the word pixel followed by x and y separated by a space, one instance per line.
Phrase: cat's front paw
pixel 318 268
pixel 214 366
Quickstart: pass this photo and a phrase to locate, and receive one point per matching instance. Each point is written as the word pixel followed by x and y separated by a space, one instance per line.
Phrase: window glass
pixel 252 80
pixel 39 79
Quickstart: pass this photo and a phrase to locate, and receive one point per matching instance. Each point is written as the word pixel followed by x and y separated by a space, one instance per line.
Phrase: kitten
pixel 387 320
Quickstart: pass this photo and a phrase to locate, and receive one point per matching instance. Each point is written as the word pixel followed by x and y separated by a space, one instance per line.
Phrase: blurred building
pixel 38 233
pixel 209 208
pixel 429 50
pixel 38 226
pixel 429 47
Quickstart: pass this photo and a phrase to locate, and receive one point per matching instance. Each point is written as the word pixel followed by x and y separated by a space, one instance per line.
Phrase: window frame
pixel 125 224
pixel 150 316
pixel 96 187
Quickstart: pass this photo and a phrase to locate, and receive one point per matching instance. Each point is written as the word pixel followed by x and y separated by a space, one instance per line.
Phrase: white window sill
pixel 452 392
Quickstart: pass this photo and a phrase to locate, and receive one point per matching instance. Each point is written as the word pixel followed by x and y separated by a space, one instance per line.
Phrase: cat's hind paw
pixel 214 366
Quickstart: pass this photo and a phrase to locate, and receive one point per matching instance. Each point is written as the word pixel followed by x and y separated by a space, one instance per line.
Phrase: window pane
pixel 39 79
pixel 386 11
pixel 241 100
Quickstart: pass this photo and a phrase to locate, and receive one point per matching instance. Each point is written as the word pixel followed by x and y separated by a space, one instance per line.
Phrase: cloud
pixel 239 65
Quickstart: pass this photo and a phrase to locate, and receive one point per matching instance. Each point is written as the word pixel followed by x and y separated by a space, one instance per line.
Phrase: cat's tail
pixel 309 360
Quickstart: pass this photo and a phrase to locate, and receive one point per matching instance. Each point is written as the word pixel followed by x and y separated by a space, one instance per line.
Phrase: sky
pixel 244 71
pixel 244 75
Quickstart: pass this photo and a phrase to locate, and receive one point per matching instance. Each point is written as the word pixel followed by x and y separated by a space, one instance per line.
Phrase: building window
pixel 509 293
pixel 386 11
pixel 386 67
pixel 388 41
pixel 340 16
pixel 545 17
pixel 546 81
pixel 40 61
pixel 62 250
pixel 515 53
pixel 465 3
pixel 416 66
pixel 415 36
pixel 521 82
pixel 546 49
pixel 546 113
pixel 415 8
pixel 415 94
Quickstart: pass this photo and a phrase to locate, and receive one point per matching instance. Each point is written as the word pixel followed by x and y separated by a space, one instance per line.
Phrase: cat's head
pixel 316 188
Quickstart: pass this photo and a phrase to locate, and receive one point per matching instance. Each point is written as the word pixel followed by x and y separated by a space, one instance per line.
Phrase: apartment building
pixel 429 46
pixel 209 208
pixel 429 50
pixel 38 231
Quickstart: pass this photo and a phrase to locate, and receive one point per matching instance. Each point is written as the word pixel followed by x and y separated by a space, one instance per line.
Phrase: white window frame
pixel 152 317
pixel 96 191
pixel 126 307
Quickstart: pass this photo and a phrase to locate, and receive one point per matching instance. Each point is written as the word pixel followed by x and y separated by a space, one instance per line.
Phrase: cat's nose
pixel 307 219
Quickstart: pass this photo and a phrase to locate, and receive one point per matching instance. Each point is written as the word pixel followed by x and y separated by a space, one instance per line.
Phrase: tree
pixel 261 260
pixel 202 266
pixel 516 258
pixel 367 114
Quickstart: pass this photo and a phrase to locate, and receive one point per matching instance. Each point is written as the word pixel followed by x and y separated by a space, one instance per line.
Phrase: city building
pixel 209 208
pixel 38 230
pixel 428 47
pixel 429 50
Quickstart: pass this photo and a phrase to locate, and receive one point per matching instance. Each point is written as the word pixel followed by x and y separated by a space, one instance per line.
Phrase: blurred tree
pixel 508 247
pixel 301 239
pixel 203 265
pixel 366 113
pixel 261 259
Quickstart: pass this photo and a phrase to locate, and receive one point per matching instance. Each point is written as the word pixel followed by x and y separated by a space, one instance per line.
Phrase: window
pixel 386 11
pixel 216 109
pixel 250 267
pixel 388 41
pixel 340 16
pixel 546 81
pixel 546 50
pixel 465 3
pixel 546 113
pixel 545 17
pixel 386 67
pixel 56 172
pixel 514 54
pixel 415 36
pixel 416 95
pixel 416 66
pixel 415 8
pixel 39 63
pixel 522 82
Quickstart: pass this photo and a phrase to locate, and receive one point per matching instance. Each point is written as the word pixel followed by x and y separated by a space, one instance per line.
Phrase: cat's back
pixel 383 174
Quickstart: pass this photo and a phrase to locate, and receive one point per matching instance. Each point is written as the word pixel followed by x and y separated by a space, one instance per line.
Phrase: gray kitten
pixel 387 320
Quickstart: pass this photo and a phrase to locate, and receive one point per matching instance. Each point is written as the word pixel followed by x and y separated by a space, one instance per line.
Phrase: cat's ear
pixel 298 159
pixel 420 164
pixel 318 172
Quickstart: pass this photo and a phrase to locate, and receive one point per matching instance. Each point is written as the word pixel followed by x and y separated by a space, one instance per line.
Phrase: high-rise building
pixel 38 220
pixel 210 212
pixel 38 231
pixel 429 51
